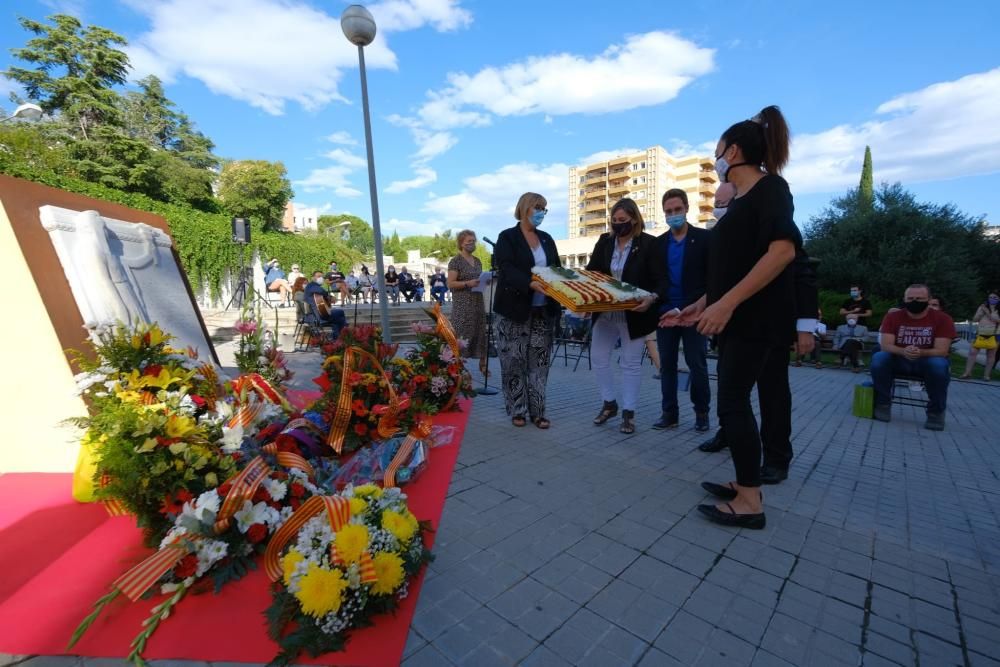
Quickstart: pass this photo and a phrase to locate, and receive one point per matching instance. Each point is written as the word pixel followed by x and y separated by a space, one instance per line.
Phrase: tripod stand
pixel 244 289
pixel 486 389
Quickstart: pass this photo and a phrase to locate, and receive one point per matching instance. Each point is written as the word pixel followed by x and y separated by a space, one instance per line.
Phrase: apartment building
pixel 299 218
pixel 644 177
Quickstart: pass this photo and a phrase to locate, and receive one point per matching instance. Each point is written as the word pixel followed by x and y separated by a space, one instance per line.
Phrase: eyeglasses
pixel 541 208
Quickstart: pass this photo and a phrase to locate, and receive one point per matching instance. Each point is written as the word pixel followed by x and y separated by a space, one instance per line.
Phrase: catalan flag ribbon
pixel 338 512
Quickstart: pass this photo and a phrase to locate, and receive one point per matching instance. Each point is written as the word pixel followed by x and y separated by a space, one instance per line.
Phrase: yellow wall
pixel 36 384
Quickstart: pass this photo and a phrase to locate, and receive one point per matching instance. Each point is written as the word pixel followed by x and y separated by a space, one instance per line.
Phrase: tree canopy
pixel 255 189
pixel 898 241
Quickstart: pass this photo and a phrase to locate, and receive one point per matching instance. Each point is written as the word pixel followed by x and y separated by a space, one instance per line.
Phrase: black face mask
pixel 621 228
pixel 916 307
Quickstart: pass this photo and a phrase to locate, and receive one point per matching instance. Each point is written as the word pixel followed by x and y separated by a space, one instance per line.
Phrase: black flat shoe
pixel 732 519
pixel 773 475
pixel 716 444
pixel 666 420
pixel 724 491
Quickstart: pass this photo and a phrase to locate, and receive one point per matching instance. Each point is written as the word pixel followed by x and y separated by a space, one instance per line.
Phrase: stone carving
pixel 123 272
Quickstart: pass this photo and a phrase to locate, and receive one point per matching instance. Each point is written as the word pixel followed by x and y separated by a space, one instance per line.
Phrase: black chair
pixel 572 336
pixel 903 382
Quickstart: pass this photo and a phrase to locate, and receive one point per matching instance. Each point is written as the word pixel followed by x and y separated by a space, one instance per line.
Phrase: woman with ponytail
pixel 750 301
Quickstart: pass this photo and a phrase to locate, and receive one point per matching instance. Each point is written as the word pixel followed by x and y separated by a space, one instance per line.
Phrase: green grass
pixel 830 359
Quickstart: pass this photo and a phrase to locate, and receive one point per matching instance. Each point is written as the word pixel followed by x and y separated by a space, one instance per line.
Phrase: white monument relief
pixel 123 272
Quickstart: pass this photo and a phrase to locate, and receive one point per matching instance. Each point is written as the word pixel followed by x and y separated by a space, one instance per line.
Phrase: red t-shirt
pixel 920 332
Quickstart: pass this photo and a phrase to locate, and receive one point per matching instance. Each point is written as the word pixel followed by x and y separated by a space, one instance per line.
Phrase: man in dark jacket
pixel 683 249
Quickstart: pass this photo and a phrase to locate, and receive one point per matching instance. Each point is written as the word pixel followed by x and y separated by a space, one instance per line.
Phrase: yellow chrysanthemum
pixel 288 563
pixel 351 541
pixel 398 525
pixel 357 506
pixel 180 426
pixel 320 591
pixel 389 570
pixel 366 490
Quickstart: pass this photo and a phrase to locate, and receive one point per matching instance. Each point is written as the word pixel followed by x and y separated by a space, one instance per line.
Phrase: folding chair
pixel 578 339
pixel 904 382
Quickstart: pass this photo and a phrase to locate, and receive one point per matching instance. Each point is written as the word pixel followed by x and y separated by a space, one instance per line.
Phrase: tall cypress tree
pixel 866 190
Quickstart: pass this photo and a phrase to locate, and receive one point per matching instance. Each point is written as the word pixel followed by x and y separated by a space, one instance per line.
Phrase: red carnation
pixel 198 400
pixel 152 370
pixel 360 429
pixel 297 490
pixel 186 567
pixel 256 533
pixel 354 378
pixel 261 495
pixel 223 490
pixel 294 503
pixel 371 388
pixel 287 443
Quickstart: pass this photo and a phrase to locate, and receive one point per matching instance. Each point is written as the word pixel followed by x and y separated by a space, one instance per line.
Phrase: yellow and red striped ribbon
pixel 245 414
pixel 342 413
pixel 112 506
pixel 420 430
pixel 367 569
pixel 137 580
pixel 444 329
pixel 338 511
pixel 243 486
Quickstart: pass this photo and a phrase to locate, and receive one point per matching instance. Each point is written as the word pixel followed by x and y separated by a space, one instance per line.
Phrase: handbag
pixel 864 401
pixel 985 343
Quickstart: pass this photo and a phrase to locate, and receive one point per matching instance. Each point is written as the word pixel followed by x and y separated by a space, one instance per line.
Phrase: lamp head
pixel 27 111
pixel 358 25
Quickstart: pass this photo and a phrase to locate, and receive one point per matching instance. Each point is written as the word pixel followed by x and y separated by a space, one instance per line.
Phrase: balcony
pixel 596 176
pixel 618 160
pixel 620 187
pixel 595 205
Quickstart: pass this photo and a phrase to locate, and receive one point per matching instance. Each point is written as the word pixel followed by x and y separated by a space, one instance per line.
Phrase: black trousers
pixel 742 364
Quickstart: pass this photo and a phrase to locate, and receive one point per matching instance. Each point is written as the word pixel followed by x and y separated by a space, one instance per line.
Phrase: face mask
pixel 916 307
pixel 721 168
pixel 719 212
pixel 621 228
pixel 851 323
pixel 855 294
pixel 537 217
pixel 318 281
pixel 993 301
pixel 676 221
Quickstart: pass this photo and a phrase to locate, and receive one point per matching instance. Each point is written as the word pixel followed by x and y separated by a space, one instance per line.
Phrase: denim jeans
pixel 935 371
pixel 667 340
pixel 438 293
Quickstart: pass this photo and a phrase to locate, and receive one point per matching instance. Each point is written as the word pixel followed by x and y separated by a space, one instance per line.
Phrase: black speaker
pixel 241 230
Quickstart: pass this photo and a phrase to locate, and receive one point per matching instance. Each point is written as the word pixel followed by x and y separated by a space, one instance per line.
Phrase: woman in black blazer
pixel 628 254
pixel 526 317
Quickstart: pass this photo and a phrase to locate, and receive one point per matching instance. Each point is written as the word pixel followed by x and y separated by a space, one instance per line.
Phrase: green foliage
pixel 255 189
pixel 830 303
pixel 359 234
pixel 182 183
pixel 394 247
pixel 866 189
pixel 898 241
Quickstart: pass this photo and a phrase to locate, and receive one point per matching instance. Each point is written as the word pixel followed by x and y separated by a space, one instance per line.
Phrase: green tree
pixel 358 235
pixel 866 190
pixel 394 247
pixel 75 70
pixel 898 241
pixel 257 189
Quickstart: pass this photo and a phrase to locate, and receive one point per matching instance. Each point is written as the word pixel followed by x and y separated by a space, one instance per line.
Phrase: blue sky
pixel 475 102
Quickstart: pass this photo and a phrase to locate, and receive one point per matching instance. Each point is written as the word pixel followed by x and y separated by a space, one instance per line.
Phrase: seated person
pixel 915 343
pixel 299 289
pixel 367 283
pixel 406 284
pixel 858 306
pixel 818 334
pixel 417 285
pixel 849 342
pixel 392 284
pixel 275 281
pixel 439 285
pixel 338 281
pixel 576 325
pixel 318 300
pixel 353 285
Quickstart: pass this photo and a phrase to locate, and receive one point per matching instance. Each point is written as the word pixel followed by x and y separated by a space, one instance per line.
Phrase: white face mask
pixel 318 281
pixel 851 323
pixel 721 168
pixel 719 212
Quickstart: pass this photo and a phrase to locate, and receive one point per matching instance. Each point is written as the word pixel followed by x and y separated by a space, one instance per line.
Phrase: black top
pixel 439 279
pixel 391 278
pixel 692 271
pixel 860 305
pixel 514 259
pixel 642 269
pixel 738 241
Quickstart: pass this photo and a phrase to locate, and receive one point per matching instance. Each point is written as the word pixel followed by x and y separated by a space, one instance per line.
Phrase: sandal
pixel 731 518
pixel 541 422
pixel 518 421
pixel 609 410
pixel 628 425
pixel 724 491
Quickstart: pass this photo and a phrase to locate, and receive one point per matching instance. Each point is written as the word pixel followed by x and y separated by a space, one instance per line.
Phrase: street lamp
pixel 358 25
pixel 27 111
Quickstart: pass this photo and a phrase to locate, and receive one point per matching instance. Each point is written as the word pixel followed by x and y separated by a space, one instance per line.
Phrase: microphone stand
pixel 486 389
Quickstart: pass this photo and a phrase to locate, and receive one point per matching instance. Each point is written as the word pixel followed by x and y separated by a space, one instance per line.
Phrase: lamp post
pixel 27 111
pixel 358 25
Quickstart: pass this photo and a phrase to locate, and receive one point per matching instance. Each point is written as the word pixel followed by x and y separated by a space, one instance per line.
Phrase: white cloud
pixel 486 202
pixel 346 158
pixel 342 138
pixel 943 131
pixel 329 178
pixel 432 144
pixel 410 228
pixel 647 70
pixel 423 177
pixel 399 15
pixel 270 52
pixel 9 86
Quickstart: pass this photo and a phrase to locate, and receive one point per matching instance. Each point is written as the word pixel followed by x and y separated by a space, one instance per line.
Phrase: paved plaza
pixel 582 546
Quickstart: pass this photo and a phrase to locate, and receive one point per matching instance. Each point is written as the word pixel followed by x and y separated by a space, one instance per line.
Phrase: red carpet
pixel 58 557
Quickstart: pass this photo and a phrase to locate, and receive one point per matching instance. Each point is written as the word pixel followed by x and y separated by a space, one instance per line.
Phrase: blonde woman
pixel 468 316
pixel 987 319
pixel 526 318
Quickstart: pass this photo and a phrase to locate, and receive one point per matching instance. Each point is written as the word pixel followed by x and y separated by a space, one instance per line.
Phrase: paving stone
pixel 534 608
pixel 787 638
pixel 684 637
pixel 724 649
pixel 428 656
pixel 603 553
pixel 654 658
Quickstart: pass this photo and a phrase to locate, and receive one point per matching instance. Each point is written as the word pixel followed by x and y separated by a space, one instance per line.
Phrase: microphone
pixel 487 240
